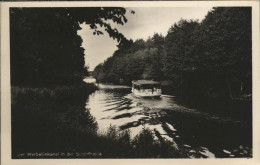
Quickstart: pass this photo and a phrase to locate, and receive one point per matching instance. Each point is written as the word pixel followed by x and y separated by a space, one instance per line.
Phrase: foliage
pixel 226 46
pixel 139 60
pixel 204 60
pixel 207 59
pixel 43 117
pixel 45 47
pixel 145 146
pixel 43 120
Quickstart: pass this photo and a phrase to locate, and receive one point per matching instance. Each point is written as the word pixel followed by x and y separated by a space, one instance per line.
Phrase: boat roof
pixel 141 82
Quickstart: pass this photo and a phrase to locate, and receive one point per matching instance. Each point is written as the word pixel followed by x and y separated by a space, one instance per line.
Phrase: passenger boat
pixel 146 89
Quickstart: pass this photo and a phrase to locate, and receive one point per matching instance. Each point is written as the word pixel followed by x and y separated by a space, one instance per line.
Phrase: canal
pixel 198 133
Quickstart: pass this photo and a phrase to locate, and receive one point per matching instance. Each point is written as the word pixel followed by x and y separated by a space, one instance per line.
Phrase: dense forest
pixel 48 93
pixel 200 60
pixel 45 48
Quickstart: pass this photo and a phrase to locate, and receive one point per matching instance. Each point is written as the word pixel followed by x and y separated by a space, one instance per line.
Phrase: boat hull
pixel 147 96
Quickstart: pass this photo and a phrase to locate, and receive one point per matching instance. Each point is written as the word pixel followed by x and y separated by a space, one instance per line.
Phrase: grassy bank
pixel 53 123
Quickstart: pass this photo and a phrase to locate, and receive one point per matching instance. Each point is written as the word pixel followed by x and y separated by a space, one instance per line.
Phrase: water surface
pixel 200 134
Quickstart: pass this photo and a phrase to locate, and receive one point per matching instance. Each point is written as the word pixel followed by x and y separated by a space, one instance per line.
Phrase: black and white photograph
pixel 129 81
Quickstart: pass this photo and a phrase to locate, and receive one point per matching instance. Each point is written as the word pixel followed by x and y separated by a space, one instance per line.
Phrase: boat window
pixel 151 86
pixel 136 86
pixel 157 86
pixel 146 86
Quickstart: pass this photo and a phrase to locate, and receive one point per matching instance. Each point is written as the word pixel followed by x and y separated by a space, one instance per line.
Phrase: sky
pixel 144 23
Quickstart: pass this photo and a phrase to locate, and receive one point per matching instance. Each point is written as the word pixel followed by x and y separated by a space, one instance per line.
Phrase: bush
pixel 55 120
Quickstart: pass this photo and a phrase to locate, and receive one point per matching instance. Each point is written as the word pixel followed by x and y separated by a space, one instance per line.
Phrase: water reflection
pixel 187 128
pixel 119 107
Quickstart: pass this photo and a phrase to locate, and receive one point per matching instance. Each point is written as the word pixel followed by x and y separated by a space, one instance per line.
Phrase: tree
pixel 179 44
pixel 226 48
pixel 158 41
pixel 45 47
pixel 204 60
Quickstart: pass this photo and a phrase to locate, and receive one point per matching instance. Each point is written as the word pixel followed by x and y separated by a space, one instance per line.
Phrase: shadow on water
pixel 199 133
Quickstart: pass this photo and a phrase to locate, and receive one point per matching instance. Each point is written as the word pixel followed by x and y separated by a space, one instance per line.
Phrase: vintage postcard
pixel 130 82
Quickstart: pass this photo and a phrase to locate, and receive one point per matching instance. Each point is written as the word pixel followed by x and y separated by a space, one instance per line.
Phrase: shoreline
pixel 54 121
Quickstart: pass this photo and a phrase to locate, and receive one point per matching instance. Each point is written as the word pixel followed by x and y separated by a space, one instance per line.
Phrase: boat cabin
pixel 146 88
